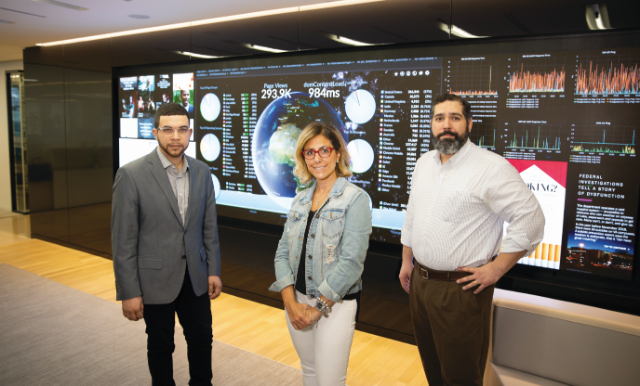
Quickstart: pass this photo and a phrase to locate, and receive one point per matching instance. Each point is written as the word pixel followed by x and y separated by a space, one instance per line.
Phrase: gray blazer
pixel 151 246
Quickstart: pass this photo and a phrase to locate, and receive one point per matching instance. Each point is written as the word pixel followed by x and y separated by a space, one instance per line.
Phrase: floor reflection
pixel 14 227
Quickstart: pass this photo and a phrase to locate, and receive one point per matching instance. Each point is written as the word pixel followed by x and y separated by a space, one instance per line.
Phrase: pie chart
pixel 216 185
pixel 361 155
pixel 210 107
pixel 210 147
pixel 360 106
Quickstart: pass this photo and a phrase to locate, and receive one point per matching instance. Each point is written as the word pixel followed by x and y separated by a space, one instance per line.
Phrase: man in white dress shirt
pixel 461 195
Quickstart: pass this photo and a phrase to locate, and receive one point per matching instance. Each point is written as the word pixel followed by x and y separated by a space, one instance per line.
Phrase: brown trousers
pixel 452 330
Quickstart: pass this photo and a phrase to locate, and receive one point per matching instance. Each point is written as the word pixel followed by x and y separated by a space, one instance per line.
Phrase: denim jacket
pixel 336 246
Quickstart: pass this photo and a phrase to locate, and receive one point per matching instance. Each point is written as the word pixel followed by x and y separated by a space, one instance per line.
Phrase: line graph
pixel 603 139
pixel 473 77
pixel 537 75
pixel 608 74
pixel 535 136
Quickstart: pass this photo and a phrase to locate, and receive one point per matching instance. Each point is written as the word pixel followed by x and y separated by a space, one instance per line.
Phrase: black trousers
pixel 194 314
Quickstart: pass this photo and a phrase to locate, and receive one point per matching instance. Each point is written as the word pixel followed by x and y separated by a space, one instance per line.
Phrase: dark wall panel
pixel 47 156
pixel 50 56
pixel 93 56
pixel 89 157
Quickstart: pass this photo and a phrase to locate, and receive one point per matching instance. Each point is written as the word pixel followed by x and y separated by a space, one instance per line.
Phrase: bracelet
pixel 322 306
pixel 312 322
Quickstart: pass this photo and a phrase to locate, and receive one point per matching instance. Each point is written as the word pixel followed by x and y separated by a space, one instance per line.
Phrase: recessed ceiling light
pixel 201 56
pixel 456 31
pixel 140 17
pixel 344 40
pixel 263 48
pixel 61 4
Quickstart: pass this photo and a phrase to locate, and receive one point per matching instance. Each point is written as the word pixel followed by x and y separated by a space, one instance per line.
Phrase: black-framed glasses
pixel 323 152
pixel 167 131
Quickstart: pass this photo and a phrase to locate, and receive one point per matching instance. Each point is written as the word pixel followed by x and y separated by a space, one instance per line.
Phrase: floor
pixel 242 323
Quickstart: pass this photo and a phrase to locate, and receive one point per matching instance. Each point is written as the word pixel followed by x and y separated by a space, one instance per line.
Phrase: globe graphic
pixel 275 137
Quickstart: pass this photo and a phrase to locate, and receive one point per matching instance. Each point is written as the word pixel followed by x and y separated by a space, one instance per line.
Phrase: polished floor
pixel 242 323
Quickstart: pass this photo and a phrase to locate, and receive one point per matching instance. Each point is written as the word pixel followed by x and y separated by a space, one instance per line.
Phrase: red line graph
pixel 523 81
pixel 608 80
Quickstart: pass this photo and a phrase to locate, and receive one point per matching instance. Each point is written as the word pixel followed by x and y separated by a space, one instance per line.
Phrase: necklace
pixel 319 197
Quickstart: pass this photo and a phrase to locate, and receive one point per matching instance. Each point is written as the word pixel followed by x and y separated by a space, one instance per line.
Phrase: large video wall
pixel 566 120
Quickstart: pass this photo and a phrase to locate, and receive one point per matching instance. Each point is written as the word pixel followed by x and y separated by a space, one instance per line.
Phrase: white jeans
pixel 324 348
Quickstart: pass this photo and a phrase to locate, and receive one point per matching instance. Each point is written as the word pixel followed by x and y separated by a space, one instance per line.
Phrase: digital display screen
pixel 567 121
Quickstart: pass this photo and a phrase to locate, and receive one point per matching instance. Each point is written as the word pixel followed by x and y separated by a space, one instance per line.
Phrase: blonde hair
pixel 332 134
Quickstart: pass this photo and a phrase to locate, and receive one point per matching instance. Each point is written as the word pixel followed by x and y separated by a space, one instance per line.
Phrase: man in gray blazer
pixel 166 251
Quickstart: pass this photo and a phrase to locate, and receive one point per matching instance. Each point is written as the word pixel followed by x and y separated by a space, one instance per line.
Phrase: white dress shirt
pixel 456 211
pixel 179 181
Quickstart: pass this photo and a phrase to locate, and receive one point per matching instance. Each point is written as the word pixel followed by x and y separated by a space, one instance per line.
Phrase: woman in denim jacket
pixel 320 257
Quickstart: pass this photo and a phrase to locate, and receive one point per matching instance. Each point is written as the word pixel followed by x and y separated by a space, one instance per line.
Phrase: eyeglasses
pixel 182 131
pixel 324 152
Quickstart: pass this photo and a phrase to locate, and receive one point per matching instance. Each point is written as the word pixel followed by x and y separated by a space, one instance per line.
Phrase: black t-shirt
pixel 301 284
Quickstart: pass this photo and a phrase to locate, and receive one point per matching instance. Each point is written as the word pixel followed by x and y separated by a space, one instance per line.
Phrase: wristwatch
pixel 322 306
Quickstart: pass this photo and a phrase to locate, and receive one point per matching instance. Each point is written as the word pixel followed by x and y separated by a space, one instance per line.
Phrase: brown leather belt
pixel 431 274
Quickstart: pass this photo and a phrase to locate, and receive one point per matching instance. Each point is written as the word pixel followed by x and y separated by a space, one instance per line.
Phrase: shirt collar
pixel 336 190
pixel 165 161
pixel 457 156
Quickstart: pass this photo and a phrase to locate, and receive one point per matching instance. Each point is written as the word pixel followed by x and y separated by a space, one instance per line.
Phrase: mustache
pixel 455 135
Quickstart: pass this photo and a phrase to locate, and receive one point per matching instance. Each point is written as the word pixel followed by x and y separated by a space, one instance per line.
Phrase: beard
pixel 450 145
pixel 173 152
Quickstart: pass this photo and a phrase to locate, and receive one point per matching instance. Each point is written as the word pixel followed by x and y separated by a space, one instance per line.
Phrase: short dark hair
pixel 169 109
pixel 466 107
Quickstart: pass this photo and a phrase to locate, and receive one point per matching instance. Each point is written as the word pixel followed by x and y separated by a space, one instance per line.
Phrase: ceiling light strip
pixel 351 42
pixel 334 4
pixel 151 29
pixel 201 56
pixel 262 48
pixel 250 15
pixel 457 31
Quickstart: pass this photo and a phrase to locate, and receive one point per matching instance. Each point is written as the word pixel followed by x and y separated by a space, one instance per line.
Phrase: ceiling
pixel 24 23
pixel 42 22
